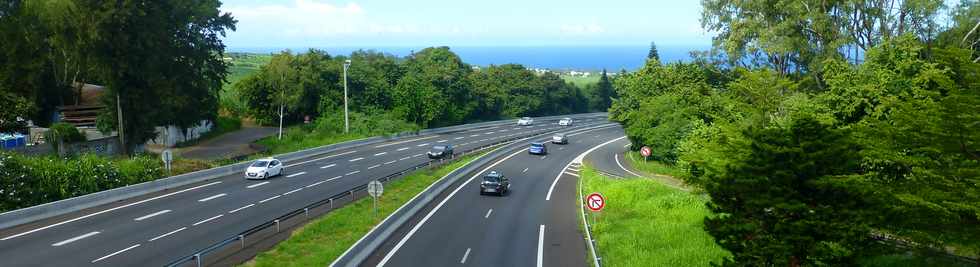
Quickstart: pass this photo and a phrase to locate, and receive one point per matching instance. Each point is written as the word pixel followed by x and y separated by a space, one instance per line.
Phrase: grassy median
pixel 323 240
pixel 646 223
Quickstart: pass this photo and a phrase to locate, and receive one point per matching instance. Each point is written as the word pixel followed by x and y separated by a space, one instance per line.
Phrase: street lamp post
pixel 346 119
pixel 282 98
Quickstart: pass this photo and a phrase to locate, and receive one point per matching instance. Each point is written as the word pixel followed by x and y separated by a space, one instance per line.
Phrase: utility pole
pixel 282 100
pixel 346 119
pixel 122 136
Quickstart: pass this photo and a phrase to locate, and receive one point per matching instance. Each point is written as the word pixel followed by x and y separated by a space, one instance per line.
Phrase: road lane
pixel 231 206
pixel 521 228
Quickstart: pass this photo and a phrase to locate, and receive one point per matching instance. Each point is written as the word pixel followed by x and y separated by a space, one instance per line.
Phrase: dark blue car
pixel 538 149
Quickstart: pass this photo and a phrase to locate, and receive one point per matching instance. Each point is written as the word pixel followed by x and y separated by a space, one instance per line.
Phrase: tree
pixel 446 72
pixel 793 200
pixel 604 93
pixel 653 54
pixel 161 62
pixel 16 109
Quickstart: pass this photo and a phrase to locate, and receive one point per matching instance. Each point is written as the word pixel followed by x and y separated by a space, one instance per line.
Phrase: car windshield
pixel 537 145
pixel 260 164
pixel 492 178
pixel 525 118
pixel 439 148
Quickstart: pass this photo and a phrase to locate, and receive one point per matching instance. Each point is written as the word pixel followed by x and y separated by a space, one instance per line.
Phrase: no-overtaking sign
pixel 595 202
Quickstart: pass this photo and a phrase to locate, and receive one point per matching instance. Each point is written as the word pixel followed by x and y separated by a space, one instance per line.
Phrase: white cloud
pixel 581 29
pixel 310 18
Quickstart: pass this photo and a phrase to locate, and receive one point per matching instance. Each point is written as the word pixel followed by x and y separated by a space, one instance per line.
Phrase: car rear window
pixel 260 164
pixel 491 178
pixel 439 147
pixel 537 145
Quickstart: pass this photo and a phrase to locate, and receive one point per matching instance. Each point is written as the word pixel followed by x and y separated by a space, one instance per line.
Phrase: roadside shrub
pixel 28 181
pixel 65 132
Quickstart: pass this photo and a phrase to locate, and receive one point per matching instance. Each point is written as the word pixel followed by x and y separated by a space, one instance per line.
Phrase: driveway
pixel 228 145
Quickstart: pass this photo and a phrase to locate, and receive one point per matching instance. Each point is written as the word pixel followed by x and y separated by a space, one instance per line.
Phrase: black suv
pixel 494 183
pixel 441 151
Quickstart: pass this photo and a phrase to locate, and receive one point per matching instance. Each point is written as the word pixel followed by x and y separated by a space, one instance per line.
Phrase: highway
pixel 536 224
pixel 157 228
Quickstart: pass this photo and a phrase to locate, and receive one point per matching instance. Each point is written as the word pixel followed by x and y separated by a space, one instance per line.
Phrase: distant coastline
pixel 586 58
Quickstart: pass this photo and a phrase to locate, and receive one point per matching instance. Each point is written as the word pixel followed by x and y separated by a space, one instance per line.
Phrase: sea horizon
pixel 583 58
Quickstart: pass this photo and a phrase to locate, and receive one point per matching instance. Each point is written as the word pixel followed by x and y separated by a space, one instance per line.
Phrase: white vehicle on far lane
pixel 525 121
pixel 565 122
pixel 264 168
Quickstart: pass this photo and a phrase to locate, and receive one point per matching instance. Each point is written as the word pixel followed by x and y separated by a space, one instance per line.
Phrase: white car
pixel 264 168
pixel 525 121
pixel 565 122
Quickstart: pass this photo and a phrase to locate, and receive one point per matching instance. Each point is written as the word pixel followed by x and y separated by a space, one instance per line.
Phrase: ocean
pixel 587 58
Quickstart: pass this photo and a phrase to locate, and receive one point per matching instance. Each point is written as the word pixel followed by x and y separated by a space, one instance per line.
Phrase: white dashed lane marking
pixel 375 166
pixel 239 209
pixel 294 191
pixel 353 160
pixel 207 220
pixel 151 215
pixel 116 253
pixel 352 173
pixel 379 154
pixel 390 162
pixel 421 145
pixel 328 166
pixel 257 185
pixel 212 197
pixel 457 138
pixel 167 234
pixel 295 174
pixel 269 199
pixel 403 149
pixel 73 239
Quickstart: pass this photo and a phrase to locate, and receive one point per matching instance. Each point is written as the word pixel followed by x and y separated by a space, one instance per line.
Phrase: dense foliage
pixel 430 88
pixel 807 148
pixel 161 61
pixel 27 181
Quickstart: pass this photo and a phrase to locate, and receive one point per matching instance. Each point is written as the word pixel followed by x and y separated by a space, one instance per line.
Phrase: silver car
pixel 559 139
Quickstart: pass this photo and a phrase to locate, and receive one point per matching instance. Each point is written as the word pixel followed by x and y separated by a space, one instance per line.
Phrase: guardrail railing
pixel 223 249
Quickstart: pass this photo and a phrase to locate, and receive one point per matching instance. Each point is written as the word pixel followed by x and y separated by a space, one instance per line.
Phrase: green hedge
pixel 28 181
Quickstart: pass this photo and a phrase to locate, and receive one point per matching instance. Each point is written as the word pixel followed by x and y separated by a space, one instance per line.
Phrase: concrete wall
pixel 171 135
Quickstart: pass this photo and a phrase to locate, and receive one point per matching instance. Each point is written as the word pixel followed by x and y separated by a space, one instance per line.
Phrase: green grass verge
pixel 653 166
pixel 646 223
pixel 580 81
pixel 296 139
pixel 323 240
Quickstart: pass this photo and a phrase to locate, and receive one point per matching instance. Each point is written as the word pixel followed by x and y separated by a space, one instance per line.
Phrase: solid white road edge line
pixel 434 210
pixel 616 157
pixel 167 234
pixel 212 197
pixel 207 220
pixel 295 174
pixel 115 253
pixel 576 160
pixel 108 210
pixel 238 209
pixel 323 158
pixel 467 254
pixel 541 246
pixel 73 239
pixel 151 215
pixel 257 185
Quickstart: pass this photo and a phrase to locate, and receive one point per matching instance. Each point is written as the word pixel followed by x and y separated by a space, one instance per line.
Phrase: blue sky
pixel 377 23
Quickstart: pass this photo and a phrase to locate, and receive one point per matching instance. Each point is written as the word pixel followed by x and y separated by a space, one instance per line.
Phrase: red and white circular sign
pixel 595 202
pixel 645 151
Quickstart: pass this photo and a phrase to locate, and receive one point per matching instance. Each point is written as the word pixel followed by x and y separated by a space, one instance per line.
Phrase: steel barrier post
pixel 277 225
pixel 242 238
pixel 198 257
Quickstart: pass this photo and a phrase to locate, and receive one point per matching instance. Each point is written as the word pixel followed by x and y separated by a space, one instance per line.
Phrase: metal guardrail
pixel 222 249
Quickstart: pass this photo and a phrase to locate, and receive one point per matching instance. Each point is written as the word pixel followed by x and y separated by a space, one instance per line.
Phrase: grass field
pixel 652 166
pixel 242 64
pixel 320 242
pixel 646 223
pixel 580 81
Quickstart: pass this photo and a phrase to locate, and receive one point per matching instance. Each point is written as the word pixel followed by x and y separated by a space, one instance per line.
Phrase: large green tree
pixel 793 200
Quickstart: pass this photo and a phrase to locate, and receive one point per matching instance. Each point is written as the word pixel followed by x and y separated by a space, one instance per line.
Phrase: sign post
pixel 645 151
pixel 595 202
pixel 167 156
pixel 375 189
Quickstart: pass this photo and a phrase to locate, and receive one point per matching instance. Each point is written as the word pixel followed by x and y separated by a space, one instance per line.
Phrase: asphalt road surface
pixel 535 224
pixel 155 229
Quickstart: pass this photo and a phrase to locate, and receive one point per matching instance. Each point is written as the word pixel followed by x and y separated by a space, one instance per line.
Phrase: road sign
pixel 595 202
pixel 375 188
pixel 645 151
